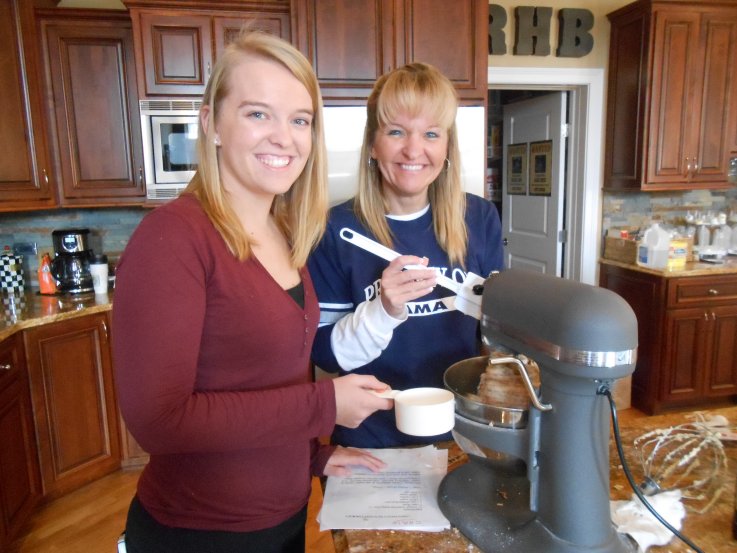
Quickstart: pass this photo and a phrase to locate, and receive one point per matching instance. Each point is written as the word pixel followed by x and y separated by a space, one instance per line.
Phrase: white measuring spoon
pixel 467 300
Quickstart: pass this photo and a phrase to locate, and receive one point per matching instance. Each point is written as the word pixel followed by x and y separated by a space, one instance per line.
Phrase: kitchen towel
pixel 633 518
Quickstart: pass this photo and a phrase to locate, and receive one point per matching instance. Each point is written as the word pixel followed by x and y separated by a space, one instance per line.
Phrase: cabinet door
pixel 674 97
pixel 453 40
pixel 721 379
pixel 225 29
pixel 20 486
pixel 349 43
pixel 90 70
pixel 718 101
pixel 689 334
pixel 73 401
pixel 176 52
pixel 24 171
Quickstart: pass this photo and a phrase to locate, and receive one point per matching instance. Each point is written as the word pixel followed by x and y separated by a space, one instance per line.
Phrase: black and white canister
pixel 11 273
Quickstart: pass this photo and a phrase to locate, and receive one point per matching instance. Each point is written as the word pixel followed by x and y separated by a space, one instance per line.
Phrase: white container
pixel 653 249
pixel 99 272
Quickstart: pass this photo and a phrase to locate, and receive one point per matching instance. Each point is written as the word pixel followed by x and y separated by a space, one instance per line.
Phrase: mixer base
pixel 491 508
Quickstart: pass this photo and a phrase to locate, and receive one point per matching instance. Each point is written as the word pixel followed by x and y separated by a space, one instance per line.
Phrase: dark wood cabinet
pixel 20 485
pixel 671 98
pixel 350 43
pixel 70 370
pixel 687 331
pixel 94 121
pixel 176 47
pixel 25 172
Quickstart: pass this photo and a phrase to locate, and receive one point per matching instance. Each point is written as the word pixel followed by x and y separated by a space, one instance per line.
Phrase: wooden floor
pixel 90 519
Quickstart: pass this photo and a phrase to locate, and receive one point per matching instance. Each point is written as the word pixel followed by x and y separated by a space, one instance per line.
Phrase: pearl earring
pixel 216 141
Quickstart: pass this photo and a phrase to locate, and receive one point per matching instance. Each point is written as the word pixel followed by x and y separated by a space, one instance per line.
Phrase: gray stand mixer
pixel 550 492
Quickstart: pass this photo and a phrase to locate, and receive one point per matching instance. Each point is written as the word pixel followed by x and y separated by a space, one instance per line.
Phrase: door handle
pixel 505 241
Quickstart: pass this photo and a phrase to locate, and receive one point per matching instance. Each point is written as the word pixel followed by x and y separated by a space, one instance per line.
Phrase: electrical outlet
pixel 25 248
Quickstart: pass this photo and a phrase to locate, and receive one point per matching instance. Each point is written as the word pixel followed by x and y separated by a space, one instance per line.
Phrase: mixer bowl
pixel 462 379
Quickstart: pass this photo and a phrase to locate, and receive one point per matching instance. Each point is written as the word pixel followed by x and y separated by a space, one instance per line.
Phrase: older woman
pixel 384 320
pixel 214 319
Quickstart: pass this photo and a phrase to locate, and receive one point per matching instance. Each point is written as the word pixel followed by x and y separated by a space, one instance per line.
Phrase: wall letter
pixel 497 21
pixel 575 41
pixel 533 31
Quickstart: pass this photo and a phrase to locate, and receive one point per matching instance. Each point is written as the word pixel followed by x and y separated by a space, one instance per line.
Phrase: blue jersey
pixel 413 353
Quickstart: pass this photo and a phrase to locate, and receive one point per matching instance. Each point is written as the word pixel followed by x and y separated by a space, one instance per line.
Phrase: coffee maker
pixel 71 264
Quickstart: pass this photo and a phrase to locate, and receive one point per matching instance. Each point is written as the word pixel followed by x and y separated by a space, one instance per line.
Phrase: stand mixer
pixel 551 492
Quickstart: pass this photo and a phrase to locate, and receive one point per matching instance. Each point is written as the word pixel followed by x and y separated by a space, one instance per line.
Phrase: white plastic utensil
pixel 467 301
pixel 422 411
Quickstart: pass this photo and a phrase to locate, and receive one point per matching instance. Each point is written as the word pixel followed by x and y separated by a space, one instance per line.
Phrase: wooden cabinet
pixel 671 99
pixel 176 48
pixel 350 43
pixel 687 331
pixel 25 172
pixel 74 403
pixel 20 485
pixel 94 122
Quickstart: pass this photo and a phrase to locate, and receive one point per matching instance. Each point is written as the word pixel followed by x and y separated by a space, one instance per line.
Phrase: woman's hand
pixel 343 458
pixel 400 285
pixel 354 400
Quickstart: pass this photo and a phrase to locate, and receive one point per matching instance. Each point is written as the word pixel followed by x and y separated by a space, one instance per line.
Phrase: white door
pixel 533 200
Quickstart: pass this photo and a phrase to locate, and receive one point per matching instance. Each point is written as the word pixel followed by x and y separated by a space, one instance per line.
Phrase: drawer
pixel 705 290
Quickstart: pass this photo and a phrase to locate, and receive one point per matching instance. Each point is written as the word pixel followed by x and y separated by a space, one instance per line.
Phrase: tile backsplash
pixel 639 209
pixel 110 229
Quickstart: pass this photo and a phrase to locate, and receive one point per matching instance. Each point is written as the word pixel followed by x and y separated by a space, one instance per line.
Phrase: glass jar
pixel 732 172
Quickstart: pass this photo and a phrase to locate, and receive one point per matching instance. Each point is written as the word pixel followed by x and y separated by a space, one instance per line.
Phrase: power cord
pixel 604 391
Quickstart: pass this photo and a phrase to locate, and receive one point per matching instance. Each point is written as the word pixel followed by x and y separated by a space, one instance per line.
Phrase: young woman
pixel 214 318
pixel 381 319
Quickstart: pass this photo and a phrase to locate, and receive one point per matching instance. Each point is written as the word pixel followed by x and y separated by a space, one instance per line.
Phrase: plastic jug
pixel 653 249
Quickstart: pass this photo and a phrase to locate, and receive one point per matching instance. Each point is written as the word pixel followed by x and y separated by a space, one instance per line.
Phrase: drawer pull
pixel 5 366
pixel 713 292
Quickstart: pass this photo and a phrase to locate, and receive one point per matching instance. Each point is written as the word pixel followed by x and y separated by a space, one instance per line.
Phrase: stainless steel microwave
pixel 169 130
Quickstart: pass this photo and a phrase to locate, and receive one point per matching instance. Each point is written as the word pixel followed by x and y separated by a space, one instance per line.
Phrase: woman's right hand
pixel 400 285
pixel 354 400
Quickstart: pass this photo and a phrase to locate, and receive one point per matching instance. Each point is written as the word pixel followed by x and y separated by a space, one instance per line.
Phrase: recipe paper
pixel 402 496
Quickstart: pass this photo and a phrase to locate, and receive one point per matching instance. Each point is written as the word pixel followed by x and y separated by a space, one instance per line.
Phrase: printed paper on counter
pixel 402 496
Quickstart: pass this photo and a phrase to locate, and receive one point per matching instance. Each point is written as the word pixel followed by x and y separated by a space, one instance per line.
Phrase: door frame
pixel 582 217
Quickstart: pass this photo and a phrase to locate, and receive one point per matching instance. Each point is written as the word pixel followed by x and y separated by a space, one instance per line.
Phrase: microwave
pixel 169 130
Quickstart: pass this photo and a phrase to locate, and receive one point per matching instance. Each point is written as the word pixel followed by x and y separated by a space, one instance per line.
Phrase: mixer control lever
pixel 525 378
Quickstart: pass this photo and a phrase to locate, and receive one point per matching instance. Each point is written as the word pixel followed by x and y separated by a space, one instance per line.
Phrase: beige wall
pixel 598 57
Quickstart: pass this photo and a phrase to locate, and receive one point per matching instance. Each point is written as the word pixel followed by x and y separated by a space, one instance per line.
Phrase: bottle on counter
pixel 653 249
pixel 46 282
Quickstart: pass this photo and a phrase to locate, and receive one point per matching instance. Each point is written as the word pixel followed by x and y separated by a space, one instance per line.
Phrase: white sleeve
pixel 361 336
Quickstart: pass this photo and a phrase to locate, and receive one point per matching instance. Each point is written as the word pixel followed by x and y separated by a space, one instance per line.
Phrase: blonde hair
pixel 411 90
pixel 301 212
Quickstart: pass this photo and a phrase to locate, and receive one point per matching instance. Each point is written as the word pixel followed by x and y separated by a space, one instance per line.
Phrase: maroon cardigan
pixel 211 361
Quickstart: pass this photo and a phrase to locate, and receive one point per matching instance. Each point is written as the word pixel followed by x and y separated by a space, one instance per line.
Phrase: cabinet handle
pixel 46 176
pixel 713 292
pixel 688 166
pixel 208 69
pixel 713 316
pixel 6 366
pixel 140 174
pixel 104 329
pixel 706 316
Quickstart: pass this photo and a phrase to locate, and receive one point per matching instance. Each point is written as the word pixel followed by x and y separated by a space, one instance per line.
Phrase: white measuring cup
pixel 422 411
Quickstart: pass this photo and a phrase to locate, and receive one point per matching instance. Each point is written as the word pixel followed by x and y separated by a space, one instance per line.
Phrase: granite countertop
pixel 33 309
pixel 711 531
pixel 693 268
